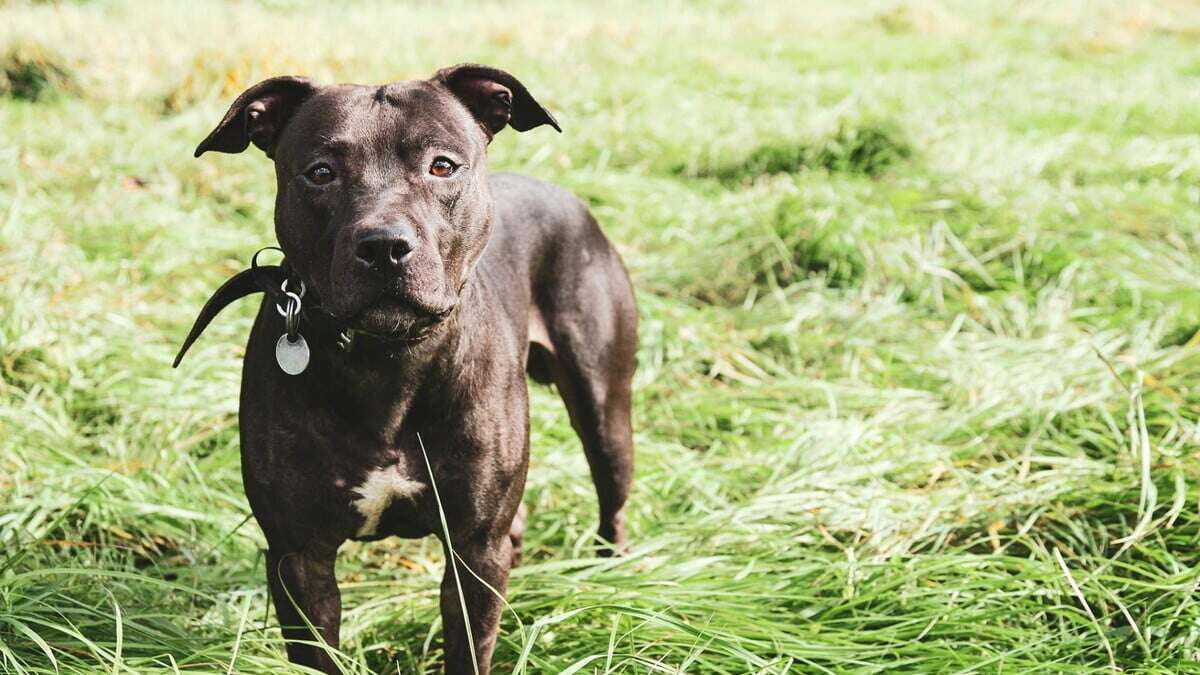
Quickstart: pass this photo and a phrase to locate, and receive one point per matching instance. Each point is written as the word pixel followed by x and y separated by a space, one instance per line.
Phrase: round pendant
pixel 292 357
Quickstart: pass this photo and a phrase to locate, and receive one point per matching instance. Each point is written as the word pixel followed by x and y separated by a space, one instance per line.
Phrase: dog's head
pixel 383 204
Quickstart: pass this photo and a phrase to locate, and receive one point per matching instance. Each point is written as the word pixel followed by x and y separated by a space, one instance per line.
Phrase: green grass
pixel 919 376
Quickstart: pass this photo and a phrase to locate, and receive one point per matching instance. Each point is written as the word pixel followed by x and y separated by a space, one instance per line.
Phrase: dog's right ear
pixel 258 116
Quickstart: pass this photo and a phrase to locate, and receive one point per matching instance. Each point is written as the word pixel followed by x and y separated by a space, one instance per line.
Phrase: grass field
pixel 919 368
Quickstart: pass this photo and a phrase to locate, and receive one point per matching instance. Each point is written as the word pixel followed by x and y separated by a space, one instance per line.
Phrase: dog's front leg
pixel 305 592
pixel 489 558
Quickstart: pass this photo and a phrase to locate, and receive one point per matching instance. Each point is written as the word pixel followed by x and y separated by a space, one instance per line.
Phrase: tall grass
pixel 918 365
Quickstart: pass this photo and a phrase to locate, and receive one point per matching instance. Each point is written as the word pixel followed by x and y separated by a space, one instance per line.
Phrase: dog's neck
pixel 378 377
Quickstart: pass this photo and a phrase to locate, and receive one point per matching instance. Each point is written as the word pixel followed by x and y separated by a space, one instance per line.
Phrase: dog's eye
pixel 442 167
pixel 321 174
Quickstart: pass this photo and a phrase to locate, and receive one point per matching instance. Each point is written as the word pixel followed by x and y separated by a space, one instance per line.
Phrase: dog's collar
pixel 273 280
pixel 269 279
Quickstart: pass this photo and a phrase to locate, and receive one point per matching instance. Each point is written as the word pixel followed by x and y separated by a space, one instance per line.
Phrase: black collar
pixel 319 323
pixel 268 279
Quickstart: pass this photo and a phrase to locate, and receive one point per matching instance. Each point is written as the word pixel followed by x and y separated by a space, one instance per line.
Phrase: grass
pixel 918 384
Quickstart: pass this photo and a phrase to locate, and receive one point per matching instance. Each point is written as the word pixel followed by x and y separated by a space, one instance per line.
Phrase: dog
pixel 384 388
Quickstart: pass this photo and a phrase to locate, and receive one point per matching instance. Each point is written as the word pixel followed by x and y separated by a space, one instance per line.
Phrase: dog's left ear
pixel 495 98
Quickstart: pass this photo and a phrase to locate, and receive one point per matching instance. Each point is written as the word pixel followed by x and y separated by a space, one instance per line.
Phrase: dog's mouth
pixel 399 318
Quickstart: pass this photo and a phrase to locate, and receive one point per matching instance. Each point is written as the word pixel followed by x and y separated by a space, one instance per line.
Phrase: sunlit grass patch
pixel 219 73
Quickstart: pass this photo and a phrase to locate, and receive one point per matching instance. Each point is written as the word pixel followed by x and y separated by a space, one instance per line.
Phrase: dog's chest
pixel 379 489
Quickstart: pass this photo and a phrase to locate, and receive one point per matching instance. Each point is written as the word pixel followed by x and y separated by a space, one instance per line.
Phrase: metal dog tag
pixel 292 357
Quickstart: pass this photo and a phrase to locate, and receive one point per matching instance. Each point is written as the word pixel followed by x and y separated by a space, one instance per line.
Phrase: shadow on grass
pixel 869 149
pixel 30 71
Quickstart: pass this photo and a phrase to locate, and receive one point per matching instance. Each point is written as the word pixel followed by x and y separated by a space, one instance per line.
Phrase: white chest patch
pixel 377 491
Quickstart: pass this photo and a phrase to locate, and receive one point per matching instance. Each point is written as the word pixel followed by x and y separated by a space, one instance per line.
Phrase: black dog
pixel 419 292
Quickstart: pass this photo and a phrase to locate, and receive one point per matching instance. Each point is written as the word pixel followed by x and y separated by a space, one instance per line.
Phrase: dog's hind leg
pixel 592 352
pixel 599 406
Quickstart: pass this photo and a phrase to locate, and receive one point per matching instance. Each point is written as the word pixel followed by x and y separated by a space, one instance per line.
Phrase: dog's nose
pixel 386 250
